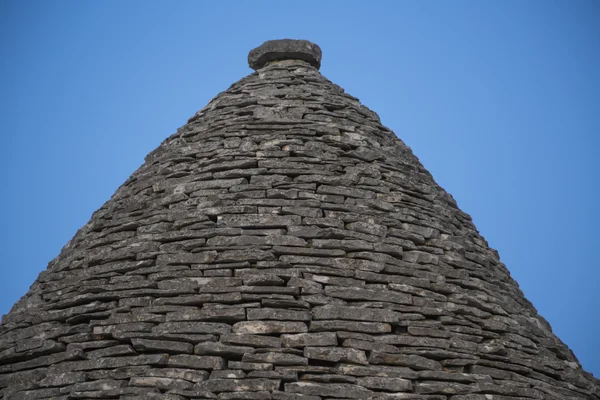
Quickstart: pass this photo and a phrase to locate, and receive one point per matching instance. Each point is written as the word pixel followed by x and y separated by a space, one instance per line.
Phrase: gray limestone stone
pixel 63 379
pixel 337 390
pixel 221 350
pixel 251 340
pixel 370 346
pixel 258 220
pixel 110 362
pixel 354 313
pixel 278 314
pixel 387 384
pixel 336 354
pixel 357 294
pixel 192 327
pixel 228 315
pixel 352 326
pixel 160 382
pixel 162 346
pixel 269 327
pixel 196 362
pixel 310 339
pixel 239 385
pixel 284 49
pixel 411 361
pixel 377 371
pixel 248 366
pixel 275 358
pixel 258 395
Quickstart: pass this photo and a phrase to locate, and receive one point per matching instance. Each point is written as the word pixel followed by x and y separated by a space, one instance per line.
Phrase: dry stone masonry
pixel 283 245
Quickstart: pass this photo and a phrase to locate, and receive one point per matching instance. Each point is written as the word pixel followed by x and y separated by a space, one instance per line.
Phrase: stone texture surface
pixel 285 49
pixel 283 245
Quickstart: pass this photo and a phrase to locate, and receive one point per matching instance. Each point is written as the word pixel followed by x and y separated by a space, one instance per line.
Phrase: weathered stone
pixel 190 375
pixel 185 258
pixel 263 280
pixel 258 220
pixel 293 396
pixel 229 315
pixel 36 394
pixel 310 339
pixel 62 379
pixel 410 361
pixel 307 286
pixel 354 313
pixel 454 376
pixel 369 345
pixel 329 390
pixel 163 346
pixel 328 378
pixel 41 349
pixel 442 388
pixel 284 49
pixel 160 382
pixel 346 192
pixel 249 240
pixel 307 251
pixel 199 299
pixel 227 374
pixel 377 370
pixel 405 340
pixel 268 327
pixel 192 327
pixel 120 350
pixel 110 362
pixel 251 340
pixel 336 354
pixel 356 294
pixel 278 314
pixel 417 291
pixel 285 303
pixel 388 384
pixel 352 326
pixel 239 385
pixel 344 244
pixel 283 374
pixel 258 395
pixel 196 282
pixel 221 350
pixel 275 358
pixel 180 337
pixel 196 362
pixel 195 393
pixel 247 366
pixel 372 229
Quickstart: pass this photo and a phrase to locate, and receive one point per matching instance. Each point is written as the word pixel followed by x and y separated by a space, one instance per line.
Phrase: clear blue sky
pixel 500 101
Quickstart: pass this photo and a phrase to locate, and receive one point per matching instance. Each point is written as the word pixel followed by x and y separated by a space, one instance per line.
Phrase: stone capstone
pixel 285 49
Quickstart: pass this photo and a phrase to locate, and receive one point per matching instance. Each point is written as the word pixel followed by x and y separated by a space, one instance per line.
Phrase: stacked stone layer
pixel 282 245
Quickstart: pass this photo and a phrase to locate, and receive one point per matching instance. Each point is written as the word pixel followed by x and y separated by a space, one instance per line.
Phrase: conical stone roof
pixel 282 245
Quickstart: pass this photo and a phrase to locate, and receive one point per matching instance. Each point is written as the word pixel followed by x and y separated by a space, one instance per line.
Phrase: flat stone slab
pixel 285 49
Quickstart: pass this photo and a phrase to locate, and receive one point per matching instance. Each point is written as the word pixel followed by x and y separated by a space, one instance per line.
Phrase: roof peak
pixel 284 49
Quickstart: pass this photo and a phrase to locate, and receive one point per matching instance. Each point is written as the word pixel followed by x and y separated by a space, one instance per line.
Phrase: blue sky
pixel 499 100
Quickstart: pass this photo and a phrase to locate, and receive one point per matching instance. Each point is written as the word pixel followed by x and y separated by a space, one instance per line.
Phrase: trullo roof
pixel 282 245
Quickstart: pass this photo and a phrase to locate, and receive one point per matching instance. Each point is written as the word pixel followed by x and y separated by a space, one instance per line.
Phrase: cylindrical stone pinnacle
pixel 285 49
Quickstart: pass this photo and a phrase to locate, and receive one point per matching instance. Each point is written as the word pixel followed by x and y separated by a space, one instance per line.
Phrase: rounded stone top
pixel 284 49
